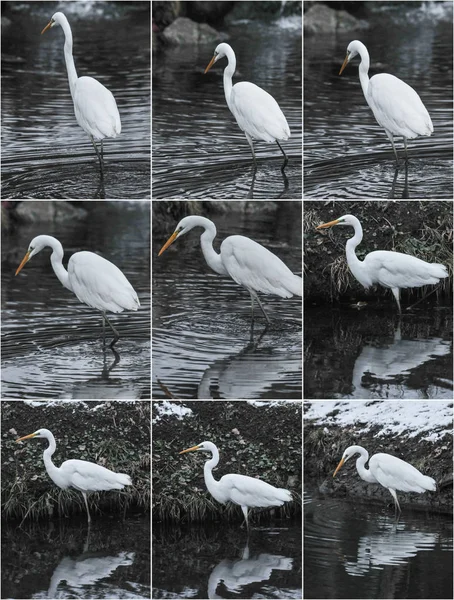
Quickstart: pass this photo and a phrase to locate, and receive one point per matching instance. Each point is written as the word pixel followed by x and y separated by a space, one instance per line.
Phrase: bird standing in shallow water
pixel 94 105
pixel 256 112
pixel 79 474
pixel 393 270
pixel 396 105
pixel 245 491
pixel 246 262
pixel 389 471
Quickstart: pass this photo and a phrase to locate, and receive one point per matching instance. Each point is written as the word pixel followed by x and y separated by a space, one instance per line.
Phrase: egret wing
pixel 248 491
pixel 392 472
pixel 95 109
pixel 256 268
pixel 99 283
pixel 394 269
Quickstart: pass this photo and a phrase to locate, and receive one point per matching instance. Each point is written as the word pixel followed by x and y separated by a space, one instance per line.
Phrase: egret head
pixel 183 227
pixel 36 245
pixel 57 19
pixel 349 452
pixel 220 51
pixel 345 220
pixel 41 433
pixel 204 446
pixel 352 51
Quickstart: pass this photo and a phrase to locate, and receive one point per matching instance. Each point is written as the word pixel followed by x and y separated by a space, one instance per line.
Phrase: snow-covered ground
pixel 432 419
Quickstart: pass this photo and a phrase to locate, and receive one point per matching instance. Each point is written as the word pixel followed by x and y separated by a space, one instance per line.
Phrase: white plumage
pixel 79 474
pixel 256 112
pixel 245 491
pixel 396 105
pixel 389 471
pixel 94 280
pixel 393 270
pixel 248 263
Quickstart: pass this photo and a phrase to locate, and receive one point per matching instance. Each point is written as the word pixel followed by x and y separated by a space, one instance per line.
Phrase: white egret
pixel 396 105
pixel 389 471
pixel 94 280
pixel 256 112
pixel 390 269
pixel 94 105
pixel 245 491
pixel 79 474
pixel 248 263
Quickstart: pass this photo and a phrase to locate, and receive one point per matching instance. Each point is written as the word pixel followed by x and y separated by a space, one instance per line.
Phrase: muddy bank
pixel 422 229
pixel 263 442
pixel 324 446
pixel 115 435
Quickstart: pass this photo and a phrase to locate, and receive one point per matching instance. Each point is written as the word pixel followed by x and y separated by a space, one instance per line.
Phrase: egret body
pixel 256 112
pixel 79 474
pixel 389 471
pixel 245 491
pixel 393 270
pixel 396 105
pixel 94 280
pixel 249 264
pixel 94 105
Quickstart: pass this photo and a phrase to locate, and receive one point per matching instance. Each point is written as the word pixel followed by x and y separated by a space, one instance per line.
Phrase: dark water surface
pixel 354 550
pixel 198 149
pixel 369 354
pixel 347 154
pixel 202 345
pixel 51 342
pixel 66 559
pixel 45 154
pixel 221 561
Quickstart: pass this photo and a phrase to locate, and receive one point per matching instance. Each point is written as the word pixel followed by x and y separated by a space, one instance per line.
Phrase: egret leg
pixel 285 156
pixel 99 156
pixel 244 509
pixel 253 295
pixel 396 501
pixel 251 144
pixel 396 292
pixel 115 332
pixel 84 494
pixel 391 139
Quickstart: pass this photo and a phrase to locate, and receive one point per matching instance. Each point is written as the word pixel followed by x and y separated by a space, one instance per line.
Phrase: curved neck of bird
pixel 228 74
pixel 364 71
pixel 353 261
pixel 211 464
pixel 211 256
pixel 56 260
pixel 70 67
pixel 50 467
pixel 364 473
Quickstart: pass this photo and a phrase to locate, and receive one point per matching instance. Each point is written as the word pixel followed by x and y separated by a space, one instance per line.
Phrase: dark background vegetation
pixel 263 442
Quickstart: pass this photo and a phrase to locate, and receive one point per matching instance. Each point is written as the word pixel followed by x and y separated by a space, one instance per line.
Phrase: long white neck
pixel 364 68
pixel 51 469
pixel 210 481
pixel 364 473
pixel 70 67
pixel 356 266
pixel 228 74
pixel 206 242
pixel 56 259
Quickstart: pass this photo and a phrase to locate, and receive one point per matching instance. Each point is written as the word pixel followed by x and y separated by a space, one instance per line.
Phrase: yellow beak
pixel 48 26
pixel 24 261
pixel 169 242
pixel 330 224
pixel 26 437
pixel 189 449
pixel 339 466
pixel 344 64
pixel 210 65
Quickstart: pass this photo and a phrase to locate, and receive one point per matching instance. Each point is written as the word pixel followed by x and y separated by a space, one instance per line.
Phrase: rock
pixel 321 19
pixel 30 211
pixel 185 31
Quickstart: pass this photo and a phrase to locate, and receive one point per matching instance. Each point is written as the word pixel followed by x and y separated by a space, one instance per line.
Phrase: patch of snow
pixel 394 417
pixel 171 408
